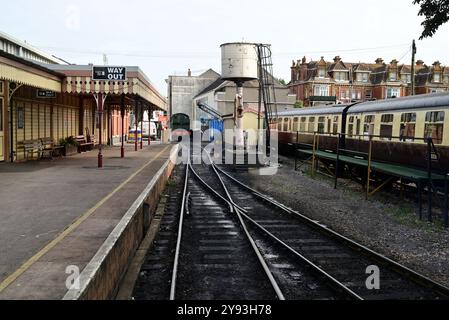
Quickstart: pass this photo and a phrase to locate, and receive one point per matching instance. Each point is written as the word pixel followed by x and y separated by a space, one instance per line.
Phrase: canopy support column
pixel 122 115
pixel 141 124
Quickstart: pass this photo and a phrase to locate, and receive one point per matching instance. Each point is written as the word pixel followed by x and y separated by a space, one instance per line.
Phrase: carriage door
pixel 329 125
pixel 358 126
pixel 2 145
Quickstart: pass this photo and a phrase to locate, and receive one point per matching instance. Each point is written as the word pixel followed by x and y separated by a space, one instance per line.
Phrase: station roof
pixel 32 53
pixel 78 80
pixel 26 72
pixel 434 100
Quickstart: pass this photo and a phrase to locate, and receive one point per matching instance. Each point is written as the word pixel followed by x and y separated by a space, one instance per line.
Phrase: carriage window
pixel 295 124
pixel 434 126
pixel 408 126
pixel 311 128
pixel 302 125
pixel 368 127
pixel 286 124
pixel 386 126
pixel 321 124
pixel 351 126
pixel 279 124
pixel 335 125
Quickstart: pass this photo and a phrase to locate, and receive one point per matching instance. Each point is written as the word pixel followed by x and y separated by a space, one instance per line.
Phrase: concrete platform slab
pixel 58 213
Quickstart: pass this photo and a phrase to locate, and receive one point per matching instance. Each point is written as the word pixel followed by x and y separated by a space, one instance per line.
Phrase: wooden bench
pixel 91 139
pixel 31 147
pixel 49 148
pixel 83 145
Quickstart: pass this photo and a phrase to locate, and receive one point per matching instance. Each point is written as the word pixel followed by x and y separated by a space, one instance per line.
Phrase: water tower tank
pixel 239 61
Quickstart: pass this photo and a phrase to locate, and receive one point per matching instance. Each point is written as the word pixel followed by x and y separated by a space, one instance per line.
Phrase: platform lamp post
pixel 100 99
pixel 122 114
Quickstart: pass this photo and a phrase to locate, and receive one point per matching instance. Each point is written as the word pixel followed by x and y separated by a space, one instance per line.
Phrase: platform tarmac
pixel 56 214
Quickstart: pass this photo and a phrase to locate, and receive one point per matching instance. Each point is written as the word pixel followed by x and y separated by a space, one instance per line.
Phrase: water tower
pixel 239 63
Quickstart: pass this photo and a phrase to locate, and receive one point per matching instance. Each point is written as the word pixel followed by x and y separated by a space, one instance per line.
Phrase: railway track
pixel 236 243
pixel 339 257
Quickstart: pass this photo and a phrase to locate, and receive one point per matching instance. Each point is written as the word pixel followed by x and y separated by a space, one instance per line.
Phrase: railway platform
pixel 57 215
pixel 420 177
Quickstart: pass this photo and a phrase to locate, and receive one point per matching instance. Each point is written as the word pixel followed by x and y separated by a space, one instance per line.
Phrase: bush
pixel 69 141
pixel 299 104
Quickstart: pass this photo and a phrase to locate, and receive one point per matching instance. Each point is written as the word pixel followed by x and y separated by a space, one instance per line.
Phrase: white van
pixel 149 129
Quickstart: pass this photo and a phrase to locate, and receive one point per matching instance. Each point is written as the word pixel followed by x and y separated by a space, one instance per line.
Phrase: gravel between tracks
pixel 385 223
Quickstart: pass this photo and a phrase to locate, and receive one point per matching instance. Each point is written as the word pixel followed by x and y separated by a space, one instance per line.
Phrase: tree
pixel 436 13
pixel 282 81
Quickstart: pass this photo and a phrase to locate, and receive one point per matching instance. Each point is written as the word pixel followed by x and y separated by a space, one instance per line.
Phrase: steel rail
pixel 178 243
pixel 315 267
pixel 231 208
pixel 237 209
pixel 397 267
pixel 334 281
pixel 239 213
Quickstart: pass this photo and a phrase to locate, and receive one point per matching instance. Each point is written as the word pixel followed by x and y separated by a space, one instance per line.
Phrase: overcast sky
pixel 167 37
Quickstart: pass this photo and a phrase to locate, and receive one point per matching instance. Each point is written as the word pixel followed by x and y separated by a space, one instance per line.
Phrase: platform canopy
pixel 28 73
pixel 78 80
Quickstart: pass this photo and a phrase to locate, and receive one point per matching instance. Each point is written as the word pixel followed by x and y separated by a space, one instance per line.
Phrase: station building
pixel 42 97
pixel 184 93
pixel 181 91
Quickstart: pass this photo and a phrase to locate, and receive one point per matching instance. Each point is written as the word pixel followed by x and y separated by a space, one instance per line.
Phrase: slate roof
pixel 340 65
pixel 405 69
pixel 379 71
pixel 361 67
pixel 423 76
pixel 214 85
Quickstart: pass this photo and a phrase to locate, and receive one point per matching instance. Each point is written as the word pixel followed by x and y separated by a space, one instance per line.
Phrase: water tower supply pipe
pixel 239 136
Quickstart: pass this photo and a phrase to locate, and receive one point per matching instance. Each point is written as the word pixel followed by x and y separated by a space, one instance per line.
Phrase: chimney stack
pixel 379 61
pixel 189 73
pixel 419 65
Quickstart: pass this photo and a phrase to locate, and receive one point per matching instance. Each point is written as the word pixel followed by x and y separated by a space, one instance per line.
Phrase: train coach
pixel 400 129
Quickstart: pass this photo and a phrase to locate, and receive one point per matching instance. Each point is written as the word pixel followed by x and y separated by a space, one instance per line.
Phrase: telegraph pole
pixel 413 68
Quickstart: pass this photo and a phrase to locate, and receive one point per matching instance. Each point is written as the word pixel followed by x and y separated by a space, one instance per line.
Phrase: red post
pixel 122 113
pixel 141 126
pixel 136 113
pixel 100 125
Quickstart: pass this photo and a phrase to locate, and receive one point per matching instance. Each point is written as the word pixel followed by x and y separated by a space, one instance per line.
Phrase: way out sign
pixel 108 73
pixel 45 94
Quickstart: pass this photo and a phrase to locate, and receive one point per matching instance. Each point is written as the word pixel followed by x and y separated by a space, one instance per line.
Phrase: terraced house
pixel 323 82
